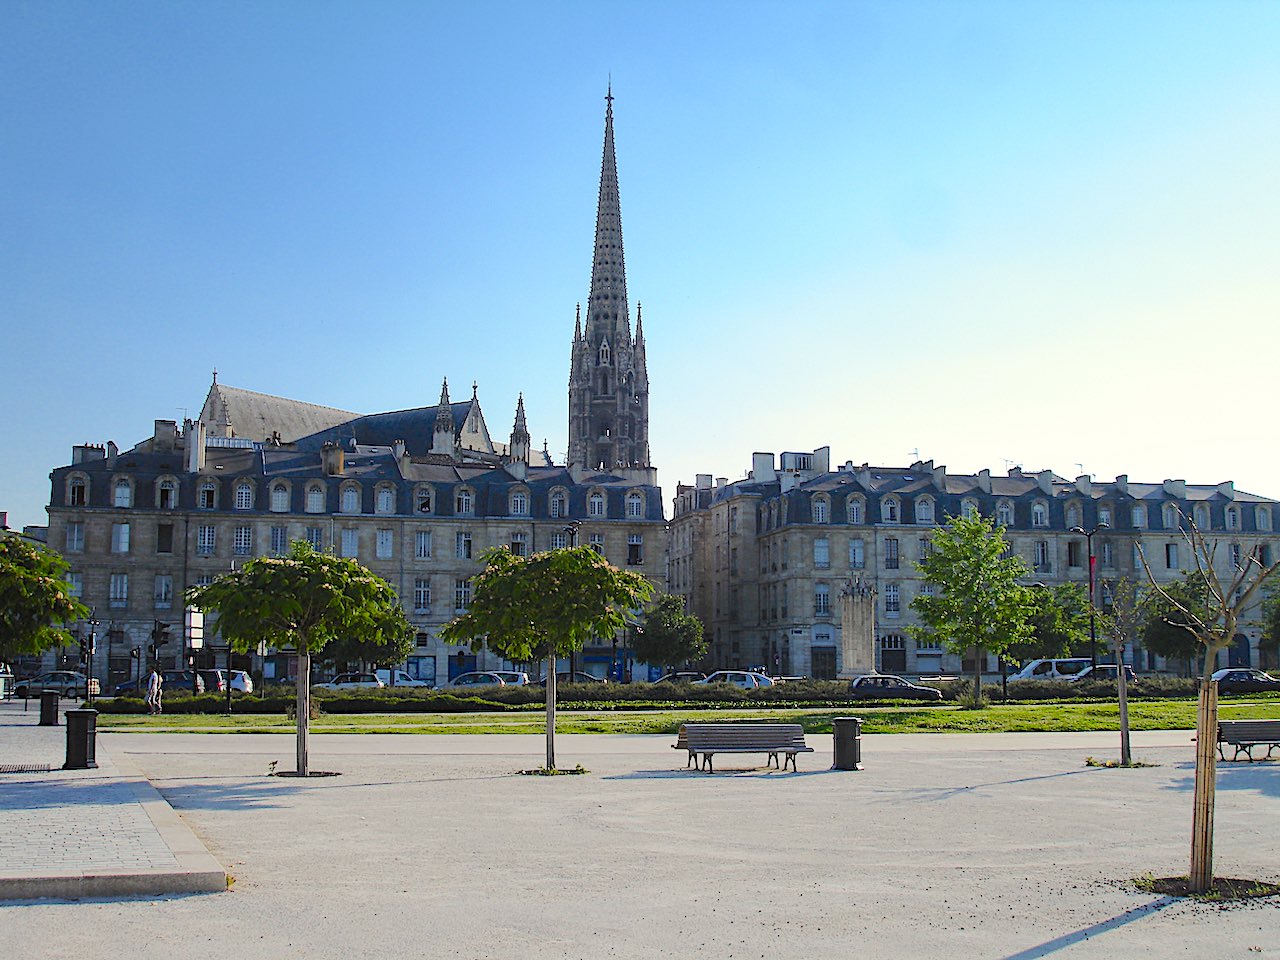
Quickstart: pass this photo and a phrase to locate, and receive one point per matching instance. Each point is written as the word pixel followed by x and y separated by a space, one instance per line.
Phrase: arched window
pixel 969 509
pixel 1039 514
pixel 1262 518
pixel 386 500
pixel 167 494
pixel 924 510
pixel 462 502
pixel 821 509
pixel 422 499
pixel 595 504
pixel 315 498
pixel 123 493
pixel 1138 515
pixel 1004 513
pixel 559 504
pixel 1073 516
pixel 280 498
pixel 244 496
pixel 1233 518
pixel 350 499
pixel 1171 517
pixel 518 503
pixel 77 492
pixel 891 510
pixel 635 505
pixel 207 496
pixel 855 510
pixel 1201 516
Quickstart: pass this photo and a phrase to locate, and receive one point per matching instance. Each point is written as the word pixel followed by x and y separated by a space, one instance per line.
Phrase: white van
pixel 1063 669
pixel 402 679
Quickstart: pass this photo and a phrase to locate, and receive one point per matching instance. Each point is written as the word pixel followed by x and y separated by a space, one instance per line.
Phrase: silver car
pixel 67 683
pixel 745 679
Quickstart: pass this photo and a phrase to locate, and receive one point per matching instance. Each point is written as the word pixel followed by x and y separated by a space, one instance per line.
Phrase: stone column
pixel 857 628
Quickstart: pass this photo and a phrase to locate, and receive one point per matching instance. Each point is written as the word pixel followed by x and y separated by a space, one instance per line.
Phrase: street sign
pixel 195 628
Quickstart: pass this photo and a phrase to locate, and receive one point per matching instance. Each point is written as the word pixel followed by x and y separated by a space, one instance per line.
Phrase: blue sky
pixel 992 233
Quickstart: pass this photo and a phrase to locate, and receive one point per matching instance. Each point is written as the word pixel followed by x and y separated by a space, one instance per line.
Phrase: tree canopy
pixel 1059 619
pixel 978 604
pixel 1168 630
pixel 305 601
pixel 35 599
pixel 668 635
pixel 546 605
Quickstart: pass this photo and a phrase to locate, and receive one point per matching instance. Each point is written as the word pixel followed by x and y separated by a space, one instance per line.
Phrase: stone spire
pixel 442 437
pixel 608 385
pixel 520 441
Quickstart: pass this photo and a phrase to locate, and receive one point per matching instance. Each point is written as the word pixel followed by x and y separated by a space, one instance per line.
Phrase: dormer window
pixel 892 511
pixel 350 499
pixel 821 510
pixel 77 492
pixel 386 500
pixel 518 504
pixel 1201 516
pixel 595 504
pixel 462 503
pixel 854 510
pixel 1073 516
pixel 1233 518
pixel 1039 514
pixel 422 500
pixel 315 498
pixel 969 510
pixel 244 496
pixel 924 510
pixel 280 498
pixel 207 495
pixel 1138 516
pixel 1262 518
pixel 167 494
pixel 559 504
pixel 635 506
pixel 123 494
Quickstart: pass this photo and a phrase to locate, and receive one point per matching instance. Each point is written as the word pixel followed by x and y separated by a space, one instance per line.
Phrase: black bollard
pixel 82 746
pixel 848 743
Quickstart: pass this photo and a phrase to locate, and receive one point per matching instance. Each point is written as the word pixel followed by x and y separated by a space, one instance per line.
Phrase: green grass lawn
pixel 1010 718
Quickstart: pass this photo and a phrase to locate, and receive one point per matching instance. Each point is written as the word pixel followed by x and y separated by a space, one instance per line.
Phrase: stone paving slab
pixel 88 833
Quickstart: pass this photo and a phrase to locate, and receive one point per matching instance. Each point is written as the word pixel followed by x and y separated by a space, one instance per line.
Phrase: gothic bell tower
pixel 608 381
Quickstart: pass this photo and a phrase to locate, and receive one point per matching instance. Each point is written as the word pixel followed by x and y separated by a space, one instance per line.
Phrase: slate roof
pixel 255 416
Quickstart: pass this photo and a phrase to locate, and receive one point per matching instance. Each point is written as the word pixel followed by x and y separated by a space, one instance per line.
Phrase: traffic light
pixel 162 634
pixel 84 649
pixel 135 653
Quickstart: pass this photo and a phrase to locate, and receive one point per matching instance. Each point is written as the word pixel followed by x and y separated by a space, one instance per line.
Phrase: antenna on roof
pixel 1079 469
pixel 915 454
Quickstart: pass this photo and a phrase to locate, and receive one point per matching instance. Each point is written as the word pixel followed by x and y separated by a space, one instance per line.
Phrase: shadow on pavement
pixel 932 794
pixel 1084 933
pixel 757 773
pixel 50 793
pixel 1260 776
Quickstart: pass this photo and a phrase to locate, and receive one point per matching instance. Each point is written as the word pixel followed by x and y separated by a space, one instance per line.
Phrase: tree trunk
pixel 303 709
pixel 977 676
pixel 1201 876
pixel 551 711
pixel 1126 757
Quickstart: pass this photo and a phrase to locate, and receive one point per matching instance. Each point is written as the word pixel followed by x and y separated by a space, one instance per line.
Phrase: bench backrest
pixel 1233 730
pixel 744 736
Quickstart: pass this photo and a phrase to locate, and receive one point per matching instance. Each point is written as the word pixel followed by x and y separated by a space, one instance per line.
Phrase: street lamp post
pixel 1093 630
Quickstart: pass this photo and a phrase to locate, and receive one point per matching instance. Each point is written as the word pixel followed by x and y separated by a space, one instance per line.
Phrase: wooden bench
pixel 705 740
pixel 1244 735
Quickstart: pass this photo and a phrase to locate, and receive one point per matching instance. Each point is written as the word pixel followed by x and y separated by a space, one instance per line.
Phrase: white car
pixel 241 682
pixel 351 681
pixel 475 678
pixel 514 678
pixel 739 678
pixel 402 679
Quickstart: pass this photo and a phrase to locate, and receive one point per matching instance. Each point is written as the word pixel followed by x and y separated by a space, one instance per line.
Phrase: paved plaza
pixel 962 846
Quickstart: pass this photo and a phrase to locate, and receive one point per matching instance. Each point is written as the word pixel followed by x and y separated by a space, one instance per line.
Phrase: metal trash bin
pixel 49 708
pixel 82 740
pixel 847 732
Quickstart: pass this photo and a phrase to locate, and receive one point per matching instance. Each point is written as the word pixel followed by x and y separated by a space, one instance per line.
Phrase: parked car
pixel 174 680
pixel 1063 668
pixel 402 679
pixel 514 678
pixel 1105 672
pixel 352 681
pixel 745 679
pixel 213 681
pixel 579 676
pixel 67 683
pixel 1245 680
pixel 475 678
pixel 885 686
pixel 682 676
pixel 241 682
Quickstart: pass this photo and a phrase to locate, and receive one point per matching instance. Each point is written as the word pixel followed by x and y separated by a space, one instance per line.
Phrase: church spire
pixel 443 436
pixel 608 383
pixel 520 440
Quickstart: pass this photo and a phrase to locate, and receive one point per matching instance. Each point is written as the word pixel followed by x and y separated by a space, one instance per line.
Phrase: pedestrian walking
pixel 155 686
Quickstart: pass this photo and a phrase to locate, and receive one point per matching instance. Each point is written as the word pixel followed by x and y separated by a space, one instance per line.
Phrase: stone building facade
pixel 764 561
pixel 416 495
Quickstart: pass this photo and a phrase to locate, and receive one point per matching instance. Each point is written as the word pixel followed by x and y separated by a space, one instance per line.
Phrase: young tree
pixel 979 605
pixel 546 605
pixel 667 635
pixel 1167 631
pixel 1230 589
pixel 35 599
pixel 305 600
pixel 1123 622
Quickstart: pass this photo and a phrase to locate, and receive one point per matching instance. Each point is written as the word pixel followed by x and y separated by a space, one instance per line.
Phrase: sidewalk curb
pixel 198 871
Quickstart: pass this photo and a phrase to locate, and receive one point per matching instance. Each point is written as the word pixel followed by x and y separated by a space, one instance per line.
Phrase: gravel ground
pixel 983 846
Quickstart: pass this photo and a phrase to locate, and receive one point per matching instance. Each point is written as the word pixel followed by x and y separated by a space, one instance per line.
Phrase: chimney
pixel 195 446
pixel 166 434
pixel 984 480
pixel 1176 488
pixel 1045 479
pixel 112 450
pixel 398 449
pixel 940 477
pixel 703 481
pixel 822 460
pixel 333 459
pixel 87 452
pixel 1122 483
pixel 1228 489
pixel 762 467
pixel 1084 483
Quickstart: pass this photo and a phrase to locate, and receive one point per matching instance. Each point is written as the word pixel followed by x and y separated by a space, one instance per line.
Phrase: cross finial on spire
pixel 474 387
pixel 215 375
